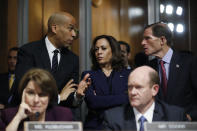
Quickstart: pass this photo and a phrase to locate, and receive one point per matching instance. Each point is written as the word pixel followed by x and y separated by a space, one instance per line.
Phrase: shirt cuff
pixel 77 100
pixel 58 101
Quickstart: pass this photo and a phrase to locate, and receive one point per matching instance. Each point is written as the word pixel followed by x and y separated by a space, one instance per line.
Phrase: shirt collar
pixel 148 114
pixel 168 56
pixel 49 45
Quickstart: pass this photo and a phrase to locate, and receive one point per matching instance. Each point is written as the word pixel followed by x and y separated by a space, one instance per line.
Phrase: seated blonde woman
pixel 38 102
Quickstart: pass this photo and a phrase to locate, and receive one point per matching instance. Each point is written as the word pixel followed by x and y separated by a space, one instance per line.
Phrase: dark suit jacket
pixel 55 113
pixel 35 55
pixel 102 95
pixel 4 87
pixel 182 82
pixel 123 117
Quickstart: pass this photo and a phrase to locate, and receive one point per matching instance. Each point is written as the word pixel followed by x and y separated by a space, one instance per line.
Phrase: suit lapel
pixel 158 114
pixel 174 72
pixel 130 122
pixel 63 64
pixel 43 53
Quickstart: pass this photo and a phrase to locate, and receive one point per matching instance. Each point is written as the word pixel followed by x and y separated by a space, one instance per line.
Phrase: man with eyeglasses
pixel 52 53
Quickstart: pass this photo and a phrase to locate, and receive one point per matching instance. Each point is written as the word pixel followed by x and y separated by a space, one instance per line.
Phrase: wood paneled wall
pixel 8 32
pixel 40 11
pixel 118 18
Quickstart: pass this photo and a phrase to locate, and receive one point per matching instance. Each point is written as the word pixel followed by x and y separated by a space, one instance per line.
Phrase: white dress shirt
pixel 167 58
pixel 148 115
pixel 50 48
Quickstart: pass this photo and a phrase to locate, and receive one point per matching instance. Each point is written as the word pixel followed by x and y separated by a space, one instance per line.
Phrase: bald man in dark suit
pixel 143 86
pixel 41 54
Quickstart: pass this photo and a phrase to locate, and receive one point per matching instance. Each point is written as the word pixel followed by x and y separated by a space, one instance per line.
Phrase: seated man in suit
pixel 143 86
pixel 7 79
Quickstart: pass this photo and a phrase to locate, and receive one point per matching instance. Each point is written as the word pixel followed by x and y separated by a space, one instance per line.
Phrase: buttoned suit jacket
pixel 55 113
pixel 35 55
pixel 182 82
pixel 101 95
pixel 123 117
pixel 4 87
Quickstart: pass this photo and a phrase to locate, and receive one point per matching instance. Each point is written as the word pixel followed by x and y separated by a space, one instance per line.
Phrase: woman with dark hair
pixel 39 97
pixel 108 80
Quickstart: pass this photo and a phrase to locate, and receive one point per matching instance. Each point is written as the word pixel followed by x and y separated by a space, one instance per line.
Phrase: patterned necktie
pixel 142 120
pixel 55 61
pixel 163 78
pixel 11 80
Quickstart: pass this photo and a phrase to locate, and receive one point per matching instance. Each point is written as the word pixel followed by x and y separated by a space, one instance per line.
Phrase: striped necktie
pixel 55 61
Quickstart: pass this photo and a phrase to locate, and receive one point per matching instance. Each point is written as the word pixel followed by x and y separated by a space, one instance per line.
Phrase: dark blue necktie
pixel 55 61
pixel 142 120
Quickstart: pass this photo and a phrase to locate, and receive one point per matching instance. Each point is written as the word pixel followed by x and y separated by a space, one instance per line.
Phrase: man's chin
pixel 134 104
pixel 67 45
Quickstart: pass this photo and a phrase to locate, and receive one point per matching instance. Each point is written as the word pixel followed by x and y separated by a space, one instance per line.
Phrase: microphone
pixel 37 114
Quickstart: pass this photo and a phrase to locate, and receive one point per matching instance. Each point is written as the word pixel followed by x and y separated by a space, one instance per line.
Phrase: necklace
pixel 107 72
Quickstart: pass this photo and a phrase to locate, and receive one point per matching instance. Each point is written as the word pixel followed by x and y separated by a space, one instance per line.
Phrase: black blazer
pixel 109 93
pixel 182 82
pixel 123 117
pixel 35 55
pixel 4 87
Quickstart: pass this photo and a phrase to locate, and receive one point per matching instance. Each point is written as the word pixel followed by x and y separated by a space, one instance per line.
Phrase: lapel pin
pixel 177 66
pixel 121 76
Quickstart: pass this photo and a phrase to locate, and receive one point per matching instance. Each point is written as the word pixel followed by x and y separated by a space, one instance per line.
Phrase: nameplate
pixel 170 126
pixel 52 126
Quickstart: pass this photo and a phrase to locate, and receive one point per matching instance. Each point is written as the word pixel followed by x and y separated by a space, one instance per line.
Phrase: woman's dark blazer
pixel 102 95
pixel 55 113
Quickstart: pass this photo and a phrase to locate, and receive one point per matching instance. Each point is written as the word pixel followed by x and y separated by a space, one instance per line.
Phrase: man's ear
pixel 54 28
pixel 163 40
pixel 155 89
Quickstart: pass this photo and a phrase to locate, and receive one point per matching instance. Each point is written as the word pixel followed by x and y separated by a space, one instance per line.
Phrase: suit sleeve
pixel 76 70
pixel 25 62
pixel 2 120
pixel 102 102
pixel 193 112
pixel 69 102
pixel 106 101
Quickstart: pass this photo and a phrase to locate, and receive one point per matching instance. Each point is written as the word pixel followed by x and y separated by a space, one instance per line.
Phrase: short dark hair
pixel 117 61
pixel 126 44
pixel 44 80
pixel 161 29
pixel 13 49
